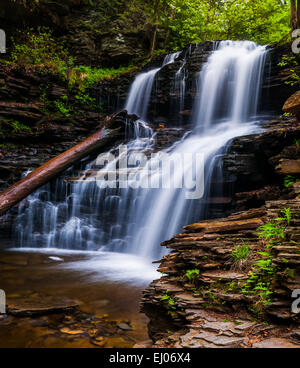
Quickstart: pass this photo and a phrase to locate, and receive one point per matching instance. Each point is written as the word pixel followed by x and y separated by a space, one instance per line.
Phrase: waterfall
pixel 83 215
pixel 140 91
pixel 230 84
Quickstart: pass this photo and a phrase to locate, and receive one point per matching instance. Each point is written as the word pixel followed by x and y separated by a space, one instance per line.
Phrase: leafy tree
pixel 263 22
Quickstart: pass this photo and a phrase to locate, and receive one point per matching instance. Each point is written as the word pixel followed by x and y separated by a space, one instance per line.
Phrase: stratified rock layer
pixel 210 309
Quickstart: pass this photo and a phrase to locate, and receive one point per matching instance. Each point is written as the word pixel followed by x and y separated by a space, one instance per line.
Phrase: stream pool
pixel 106 286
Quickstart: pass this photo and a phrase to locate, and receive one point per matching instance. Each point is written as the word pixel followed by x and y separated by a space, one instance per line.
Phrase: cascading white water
pixel 169 59
pixel 230 84
pixel 141 88
pixel 137 220
pixel 140 93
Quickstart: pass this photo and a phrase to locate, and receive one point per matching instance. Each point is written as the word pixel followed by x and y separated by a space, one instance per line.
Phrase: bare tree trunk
pixel 298 14
pixel 153 42
pixel 293 15
pixel 207 21
pixel 169 30
pixel 156 19
pixel 48 171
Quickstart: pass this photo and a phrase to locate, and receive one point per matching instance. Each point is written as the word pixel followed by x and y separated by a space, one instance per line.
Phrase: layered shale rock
pixel 203 295
pixel 31 130
pixel 255 167
pixel 292 105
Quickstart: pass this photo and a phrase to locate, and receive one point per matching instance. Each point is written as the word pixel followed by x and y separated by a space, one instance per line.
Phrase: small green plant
pixel 231 287
pixel 260 279
pixel 290 273
pixel 287 216
pixel 18 127
pixel 83 99
pixel 272 232
pixel 169 299
pixel 191 274
pixel 289 181
pixel 8 127
pixel 240 252
pixel 62 108
pixel 8 147
pixel 290 61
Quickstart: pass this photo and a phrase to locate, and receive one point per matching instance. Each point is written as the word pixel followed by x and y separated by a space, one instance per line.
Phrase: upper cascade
pixel 140 91
pixel 229 85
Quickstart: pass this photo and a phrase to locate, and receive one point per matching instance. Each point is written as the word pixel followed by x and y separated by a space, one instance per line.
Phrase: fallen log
pixel 43 174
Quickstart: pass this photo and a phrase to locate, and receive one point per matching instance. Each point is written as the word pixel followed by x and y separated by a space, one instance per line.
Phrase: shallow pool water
pixel 107 287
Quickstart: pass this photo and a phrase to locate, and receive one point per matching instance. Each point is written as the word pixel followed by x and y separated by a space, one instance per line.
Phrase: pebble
pixel 125 327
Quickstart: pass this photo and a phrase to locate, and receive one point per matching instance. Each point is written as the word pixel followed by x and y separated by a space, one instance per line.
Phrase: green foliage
pixel 8 147
pixel 62 108
pixel 84 77
pixel 187 21
pixel 197 20
pixel 232 287
pixel 240 252
pixel 272 232
pixel 9 127
pixel 172 24
pixel 18 127
pixel 83 99
pixel 287 216
pixel 287 60
pixel 259 280
pixel 39 49
pixel 169 299
pixel 191 274
pixel 290 273
pixel 291 61
pixel 289 181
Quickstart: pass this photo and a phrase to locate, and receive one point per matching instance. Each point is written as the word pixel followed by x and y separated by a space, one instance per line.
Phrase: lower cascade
pixel 83 215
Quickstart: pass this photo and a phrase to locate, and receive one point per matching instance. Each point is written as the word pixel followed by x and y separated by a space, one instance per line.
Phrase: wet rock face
pixel 275 89
pixel 255 166
pixel 121 48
